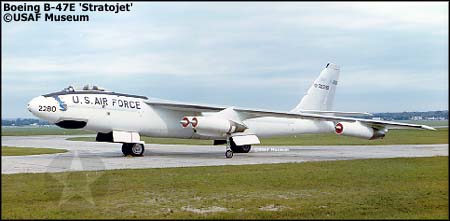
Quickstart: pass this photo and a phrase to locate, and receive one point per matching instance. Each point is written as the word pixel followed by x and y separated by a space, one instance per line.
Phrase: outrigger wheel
pixel 229 150
pixel 229 154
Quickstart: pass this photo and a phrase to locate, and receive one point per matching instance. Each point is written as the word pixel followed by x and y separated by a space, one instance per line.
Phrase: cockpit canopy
pixel 69 89
pixel 87 87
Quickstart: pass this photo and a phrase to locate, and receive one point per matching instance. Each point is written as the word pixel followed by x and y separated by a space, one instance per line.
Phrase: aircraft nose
pixel 44 108
pixel 33 105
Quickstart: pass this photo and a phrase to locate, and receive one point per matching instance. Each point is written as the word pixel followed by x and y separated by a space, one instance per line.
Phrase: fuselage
pixel 103 112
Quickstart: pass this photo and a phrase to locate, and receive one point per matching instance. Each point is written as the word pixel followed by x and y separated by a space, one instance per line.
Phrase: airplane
pixel 124 118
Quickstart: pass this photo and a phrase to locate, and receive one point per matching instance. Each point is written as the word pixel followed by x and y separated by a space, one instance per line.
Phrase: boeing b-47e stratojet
pixel 123 118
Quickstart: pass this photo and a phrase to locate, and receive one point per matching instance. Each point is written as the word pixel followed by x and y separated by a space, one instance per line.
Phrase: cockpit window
pixel 69 89
pixel 87 87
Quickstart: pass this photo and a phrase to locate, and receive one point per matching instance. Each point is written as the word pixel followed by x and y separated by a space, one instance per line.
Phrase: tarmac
pixel 92 156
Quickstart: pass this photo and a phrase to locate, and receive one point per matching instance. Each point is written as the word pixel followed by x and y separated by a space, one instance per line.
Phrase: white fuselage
pixel 106 112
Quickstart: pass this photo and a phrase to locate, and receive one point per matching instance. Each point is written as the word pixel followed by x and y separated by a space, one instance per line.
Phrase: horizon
pixel 393 56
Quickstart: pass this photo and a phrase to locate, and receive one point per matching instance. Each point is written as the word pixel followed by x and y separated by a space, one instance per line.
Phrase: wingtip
pixel 428 127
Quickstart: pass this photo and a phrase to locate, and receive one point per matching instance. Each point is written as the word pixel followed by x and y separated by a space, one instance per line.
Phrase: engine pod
pixel 357 129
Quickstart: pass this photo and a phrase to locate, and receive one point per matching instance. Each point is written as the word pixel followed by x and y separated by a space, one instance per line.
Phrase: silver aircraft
pixel 124 118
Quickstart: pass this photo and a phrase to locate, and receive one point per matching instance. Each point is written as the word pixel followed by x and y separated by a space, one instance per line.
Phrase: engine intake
pixel 356 129
pixel 211 126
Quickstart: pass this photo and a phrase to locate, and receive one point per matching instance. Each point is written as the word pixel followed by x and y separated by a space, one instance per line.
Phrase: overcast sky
pixel 393 56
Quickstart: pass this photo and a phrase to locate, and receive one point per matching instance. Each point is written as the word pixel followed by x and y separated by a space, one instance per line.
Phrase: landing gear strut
pixel 229 151
pixel 133 149
pixel 233 148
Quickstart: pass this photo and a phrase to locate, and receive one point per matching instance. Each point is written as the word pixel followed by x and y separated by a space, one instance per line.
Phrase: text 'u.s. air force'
pixel 107 102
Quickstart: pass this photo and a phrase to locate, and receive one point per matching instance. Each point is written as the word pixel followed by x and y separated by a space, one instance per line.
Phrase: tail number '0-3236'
pixel 322 86
pixel 47 108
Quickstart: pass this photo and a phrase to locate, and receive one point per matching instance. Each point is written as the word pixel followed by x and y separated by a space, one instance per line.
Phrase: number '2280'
pixel 47 108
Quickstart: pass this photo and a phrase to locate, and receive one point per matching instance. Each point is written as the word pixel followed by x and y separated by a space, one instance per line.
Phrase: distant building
pixel 416 118
pixel 377 118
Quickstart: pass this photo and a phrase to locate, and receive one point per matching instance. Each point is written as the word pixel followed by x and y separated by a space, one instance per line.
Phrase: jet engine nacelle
pixel 210 126
pixel 356 129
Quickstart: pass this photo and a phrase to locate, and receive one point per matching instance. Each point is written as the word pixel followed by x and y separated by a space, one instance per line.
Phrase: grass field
pixel 22 151
pixel 401 188
pixel 393 137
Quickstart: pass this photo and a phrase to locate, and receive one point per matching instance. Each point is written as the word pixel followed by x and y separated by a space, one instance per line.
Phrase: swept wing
pixel 254 113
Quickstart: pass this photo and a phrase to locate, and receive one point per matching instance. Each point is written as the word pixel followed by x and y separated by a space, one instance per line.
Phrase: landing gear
pixel 229 154
pixel 239 149
pixel 233 148
pixel 133 149
pixel 246 148
pixel 126 149
pixel 229 151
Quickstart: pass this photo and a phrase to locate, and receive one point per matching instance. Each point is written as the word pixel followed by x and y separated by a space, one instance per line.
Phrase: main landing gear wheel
pixel 133 149
pixel 126 149
pixel 246 148
pixel 239 149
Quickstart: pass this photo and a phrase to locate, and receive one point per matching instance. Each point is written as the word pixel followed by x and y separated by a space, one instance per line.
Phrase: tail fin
pixel 320 95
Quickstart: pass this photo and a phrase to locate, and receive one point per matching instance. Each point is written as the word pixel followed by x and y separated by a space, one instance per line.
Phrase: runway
pixel 91 156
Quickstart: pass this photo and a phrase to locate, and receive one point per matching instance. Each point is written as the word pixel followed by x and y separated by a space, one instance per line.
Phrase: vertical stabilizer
pixel 320 95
